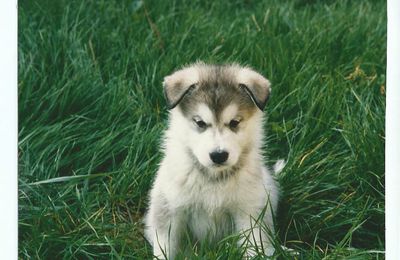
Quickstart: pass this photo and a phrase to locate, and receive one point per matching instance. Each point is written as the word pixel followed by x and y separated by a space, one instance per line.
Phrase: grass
pixel 92 112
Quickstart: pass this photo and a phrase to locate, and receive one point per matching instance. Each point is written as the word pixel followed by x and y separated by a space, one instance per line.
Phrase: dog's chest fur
pixel 208 205
pixel 210 226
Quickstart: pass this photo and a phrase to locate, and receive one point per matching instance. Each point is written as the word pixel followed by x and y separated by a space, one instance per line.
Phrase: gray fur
pixel 217 86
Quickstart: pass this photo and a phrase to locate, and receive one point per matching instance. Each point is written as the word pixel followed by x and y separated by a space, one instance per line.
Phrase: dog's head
pixel 216 112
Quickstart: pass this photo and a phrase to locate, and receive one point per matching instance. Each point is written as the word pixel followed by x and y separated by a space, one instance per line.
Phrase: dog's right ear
pixel 255 85
pixel 179 84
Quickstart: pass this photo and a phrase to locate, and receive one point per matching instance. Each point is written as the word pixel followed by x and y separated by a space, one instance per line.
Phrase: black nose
pixel 219 157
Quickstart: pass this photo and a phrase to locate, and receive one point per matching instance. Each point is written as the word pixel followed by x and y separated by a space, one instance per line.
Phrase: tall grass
pixel 91 115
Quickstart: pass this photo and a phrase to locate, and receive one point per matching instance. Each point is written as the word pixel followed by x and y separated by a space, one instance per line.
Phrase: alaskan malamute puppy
pixel 212 181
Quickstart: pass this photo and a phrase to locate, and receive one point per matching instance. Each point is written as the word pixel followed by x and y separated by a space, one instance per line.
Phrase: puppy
pixel 212 181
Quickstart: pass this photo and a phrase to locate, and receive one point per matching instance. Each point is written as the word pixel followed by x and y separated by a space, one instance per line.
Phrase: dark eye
pixel 200 123
pixel 233 124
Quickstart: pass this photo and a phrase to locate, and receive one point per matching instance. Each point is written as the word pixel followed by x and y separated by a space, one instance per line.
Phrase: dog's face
pixel 218 140
pixel 219 112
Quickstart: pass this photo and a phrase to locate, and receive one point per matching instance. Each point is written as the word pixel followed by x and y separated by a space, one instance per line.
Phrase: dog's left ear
pixel 256 86
pixel 179 84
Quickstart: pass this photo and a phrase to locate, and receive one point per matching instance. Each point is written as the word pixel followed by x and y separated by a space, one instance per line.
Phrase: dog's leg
pixel 163 228
pixel 165 242
pixel 254 238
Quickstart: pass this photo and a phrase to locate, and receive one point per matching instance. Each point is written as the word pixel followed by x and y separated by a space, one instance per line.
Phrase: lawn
pixel 92 113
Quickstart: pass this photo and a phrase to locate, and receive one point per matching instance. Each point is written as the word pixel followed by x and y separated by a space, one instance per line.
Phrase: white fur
pixel 229 113
pixel 216 137
pixel 182 196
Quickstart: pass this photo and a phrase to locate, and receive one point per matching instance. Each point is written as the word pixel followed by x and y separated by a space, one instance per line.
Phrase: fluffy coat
pixel 191 193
